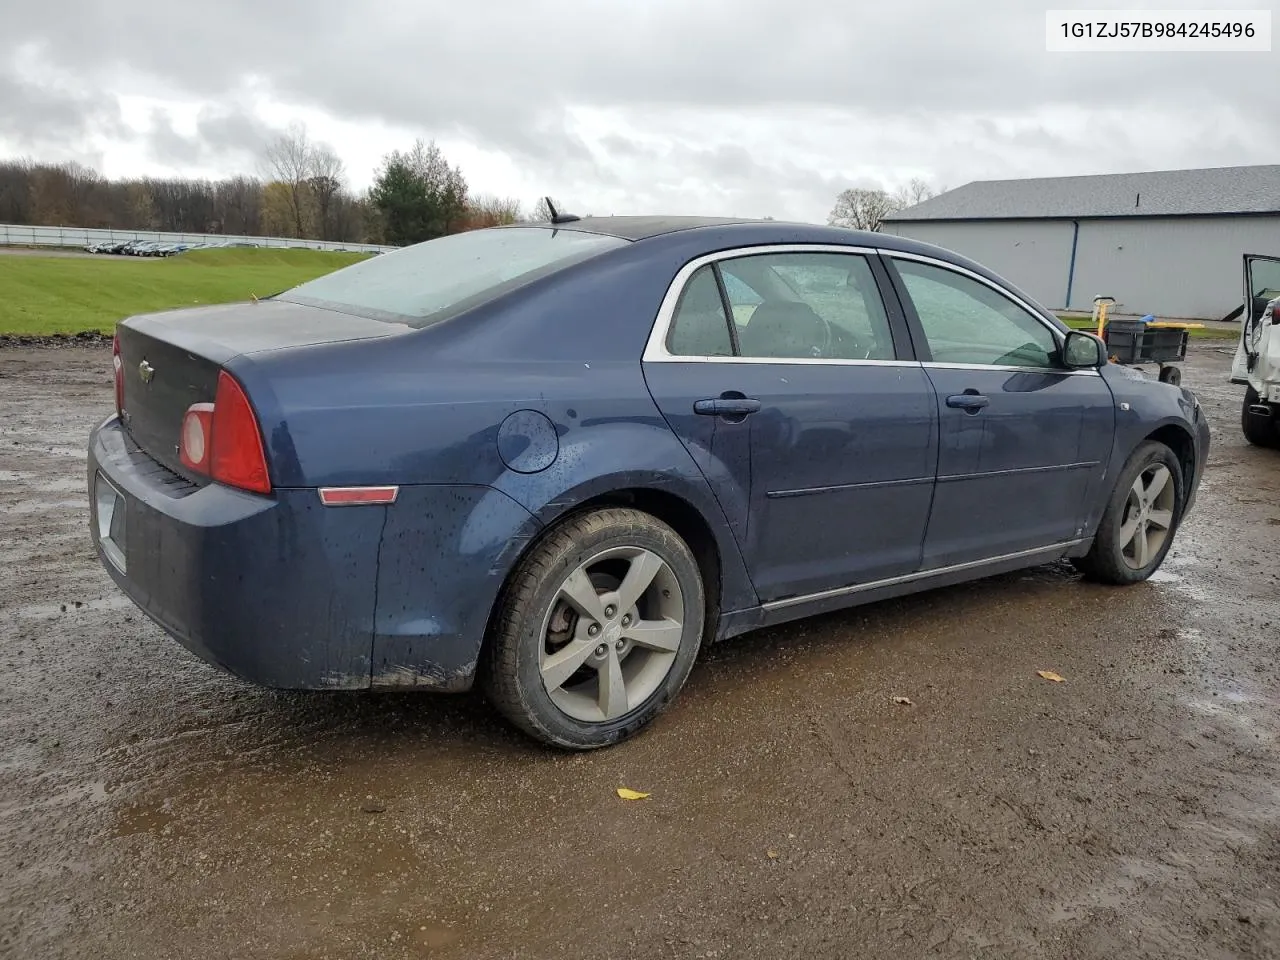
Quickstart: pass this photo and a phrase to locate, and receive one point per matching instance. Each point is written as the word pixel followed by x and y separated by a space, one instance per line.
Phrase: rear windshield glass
pixel 430 281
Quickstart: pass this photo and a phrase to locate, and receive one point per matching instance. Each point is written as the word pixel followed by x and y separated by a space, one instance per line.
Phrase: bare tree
pixel 290 159
pixel 239 202
pixel 541 211
pixel 325 181
pixel 860 209
pixel 915 191
pixel 487 211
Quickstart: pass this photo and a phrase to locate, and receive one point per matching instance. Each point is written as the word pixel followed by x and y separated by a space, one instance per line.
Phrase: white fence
pixel 17 235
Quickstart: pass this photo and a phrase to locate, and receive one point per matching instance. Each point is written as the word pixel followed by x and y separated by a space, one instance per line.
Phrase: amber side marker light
pixel 354 496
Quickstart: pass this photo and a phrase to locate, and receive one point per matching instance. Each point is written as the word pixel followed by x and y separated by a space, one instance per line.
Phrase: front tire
pixel 1140 519
pixel 1258 430
pixel 596 631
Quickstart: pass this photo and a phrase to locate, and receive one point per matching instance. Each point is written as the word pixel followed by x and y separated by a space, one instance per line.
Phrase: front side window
pixel 430 281
pixel 966 321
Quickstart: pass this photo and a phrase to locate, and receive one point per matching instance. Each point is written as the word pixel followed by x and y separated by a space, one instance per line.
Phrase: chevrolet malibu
pixel 557 459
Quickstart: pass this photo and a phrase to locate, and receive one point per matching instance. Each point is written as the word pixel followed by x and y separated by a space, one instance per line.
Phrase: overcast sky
pixel 733 107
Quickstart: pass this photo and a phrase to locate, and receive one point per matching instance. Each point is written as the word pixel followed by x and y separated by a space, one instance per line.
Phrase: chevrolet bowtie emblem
pixel 146 371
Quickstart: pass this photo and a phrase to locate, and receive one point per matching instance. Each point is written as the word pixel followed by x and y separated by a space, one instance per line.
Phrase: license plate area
pixel 110 510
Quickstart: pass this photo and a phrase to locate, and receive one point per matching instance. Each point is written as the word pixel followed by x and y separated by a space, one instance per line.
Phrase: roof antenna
pixel 557 216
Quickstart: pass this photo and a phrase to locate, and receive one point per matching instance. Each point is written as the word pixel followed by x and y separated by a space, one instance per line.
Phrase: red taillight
pixel 118 365
pixel 222 439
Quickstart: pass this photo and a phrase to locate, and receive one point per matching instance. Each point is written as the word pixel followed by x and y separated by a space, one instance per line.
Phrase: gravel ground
pixel 152 808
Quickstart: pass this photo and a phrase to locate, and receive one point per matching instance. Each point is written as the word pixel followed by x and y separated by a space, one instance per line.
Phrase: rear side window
pixel 783 306
pixel 430 281
pixel 822 306
pixel 699 327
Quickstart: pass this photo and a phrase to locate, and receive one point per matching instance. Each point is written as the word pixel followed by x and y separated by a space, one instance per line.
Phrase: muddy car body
pixel 561 457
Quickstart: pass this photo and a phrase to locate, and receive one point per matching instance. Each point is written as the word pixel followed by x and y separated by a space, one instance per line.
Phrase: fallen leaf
pixel 773 854
pixel 626 794
pixel 904 701
pixel 1050 675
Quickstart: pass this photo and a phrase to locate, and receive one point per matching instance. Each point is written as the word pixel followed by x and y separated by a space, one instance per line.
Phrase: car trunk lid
pixel 171 360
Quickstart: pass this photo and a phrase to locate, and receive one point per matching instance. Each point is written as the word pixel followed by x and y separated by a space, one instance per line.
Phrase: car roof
pixel 637 228
pixel 747 229
pixel 706 234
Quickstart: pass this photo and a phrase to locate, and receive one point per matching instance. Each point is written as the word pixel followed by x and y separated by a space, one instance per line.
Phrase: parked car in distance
pixel 560 458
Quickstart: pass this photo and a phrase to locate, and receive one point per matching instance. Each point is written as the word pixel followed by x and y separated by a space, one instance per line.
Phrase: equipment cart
pixel 1148 340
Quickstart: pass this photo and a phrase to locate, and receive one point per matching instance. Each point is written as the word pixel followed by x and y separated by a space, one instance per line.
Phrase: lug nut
pixel 593 629
pixel 602 650
pixel 619 645
pixel 610 611
pixel 626 621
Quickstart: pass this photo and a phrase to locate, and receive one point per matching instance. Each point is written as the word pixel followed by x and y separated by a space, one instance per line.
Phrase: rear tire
pixel 1140 519
pixel 1258 430
pixel 596 631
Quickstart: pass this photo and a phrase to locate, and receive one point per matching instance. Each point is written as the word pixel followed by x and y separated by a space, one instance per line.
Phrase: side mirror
pixel 1082 351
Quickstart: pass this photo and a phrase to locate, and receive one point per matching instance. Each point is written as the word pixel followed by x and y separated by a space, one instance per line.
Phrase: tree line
pixel 300 191
pixel 863 209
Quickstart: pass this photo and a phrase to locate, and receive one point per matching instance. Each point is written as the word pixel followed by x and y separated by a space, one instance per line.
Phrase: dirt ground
pixel 152 808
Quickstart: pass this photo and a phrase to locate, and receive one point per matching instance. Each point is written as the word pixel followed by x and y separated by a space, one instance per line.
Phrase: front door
pixel 1024 441
pixel 820 437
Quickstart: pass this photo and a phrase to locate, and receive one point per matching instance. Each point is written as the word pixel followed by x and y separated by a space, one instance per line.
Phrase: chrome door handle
pixel 968 402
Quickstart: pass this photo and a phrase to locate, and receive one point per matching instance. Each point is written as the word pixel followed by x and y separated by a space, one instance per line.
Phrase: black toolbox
pixel 1129 341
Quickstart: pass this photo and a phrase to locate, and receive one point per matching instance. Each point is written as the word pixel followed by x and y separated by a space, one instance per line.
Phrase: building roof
pixel 1161 193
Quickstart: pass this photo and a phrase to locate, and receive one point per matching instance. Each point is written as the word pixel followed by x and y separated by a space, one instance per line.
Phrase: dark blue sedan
pixel 559 458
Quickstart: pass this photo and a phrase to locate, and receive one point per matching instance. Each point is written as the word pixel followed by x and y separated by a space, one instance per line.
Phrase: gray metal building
pixel 1168 242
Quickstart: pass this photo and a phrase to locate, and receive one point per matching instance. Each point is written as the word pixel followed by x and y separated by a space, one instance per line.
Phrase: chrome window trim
pixel 1059 337
pixel 1011 368
pixel 655 350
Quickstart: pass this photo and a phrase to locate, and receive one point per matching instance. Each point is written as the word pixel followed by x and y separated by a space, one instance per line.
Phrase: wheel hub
pixel 624 611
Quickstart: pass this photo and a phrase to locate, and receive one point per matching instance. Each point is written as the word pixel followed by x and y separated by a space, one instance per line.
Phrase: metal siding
pixel 1032 255
pixel 1184 268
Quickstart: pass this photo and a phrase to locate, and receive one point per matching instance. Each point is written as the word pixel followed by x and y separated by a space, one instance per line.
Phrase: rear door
pixel 1261 285
pixel 807 412
pixel 1024 440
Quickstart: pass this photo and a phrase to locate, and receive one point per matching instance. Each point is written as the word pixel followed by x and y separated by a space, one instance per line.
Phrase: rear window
pixel 431 281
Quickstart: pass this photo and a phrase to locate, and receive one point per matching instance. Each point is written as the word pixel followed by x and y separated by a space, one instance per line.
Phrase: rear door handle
pixel 726 407
pixel 968 402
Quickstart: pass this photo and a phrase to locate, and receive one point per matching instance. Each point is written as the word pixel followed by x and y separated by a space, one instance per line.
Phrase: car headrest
pixel 783 329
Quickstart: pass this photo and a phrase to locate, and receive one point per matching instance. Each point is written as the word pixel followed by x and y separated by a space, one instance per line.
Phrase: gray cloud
pixel 232 138
pixel 767 103
pixel 35 114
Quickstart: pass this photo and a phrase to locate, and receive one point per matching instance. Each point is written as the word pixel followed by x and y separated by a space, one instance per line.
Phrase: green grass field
pixel 47 295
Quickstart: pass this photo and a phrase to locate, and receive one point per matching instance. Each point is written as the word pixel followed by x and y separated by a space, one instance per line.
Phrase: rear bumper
pixel 276 590
pixel 285 592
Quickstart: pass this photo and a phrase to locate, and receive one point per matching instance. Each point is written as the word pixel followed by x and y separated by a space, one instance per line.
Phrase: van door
pixel 1261 286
